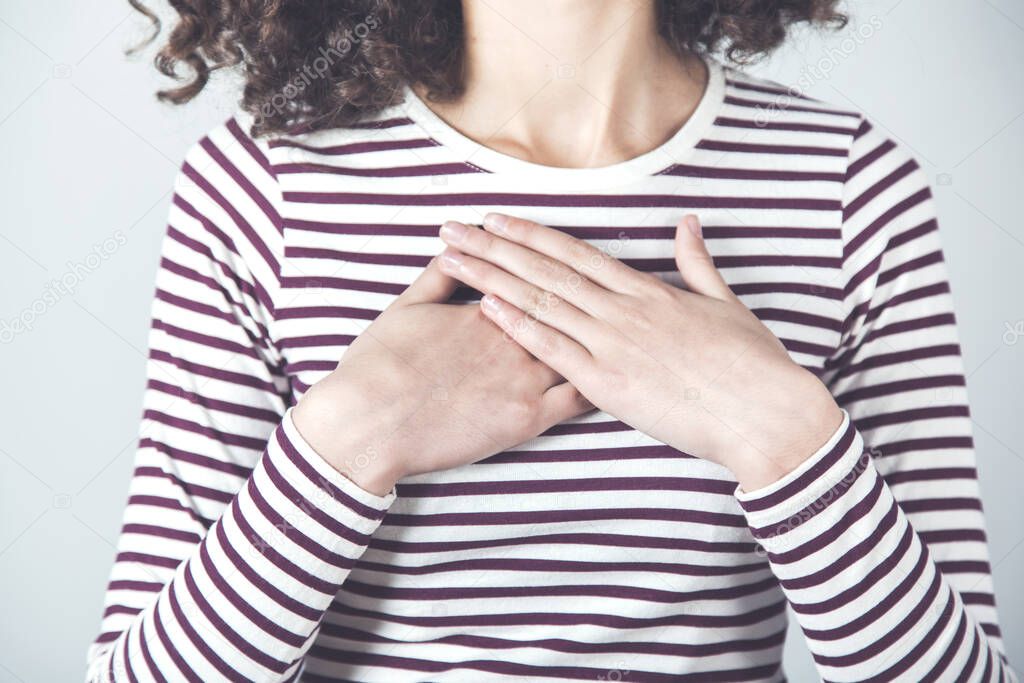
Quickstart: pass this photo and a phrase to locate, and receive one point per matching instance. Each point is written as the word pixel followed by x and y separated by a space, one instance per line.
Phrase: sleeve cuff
pixel 809 489
pixel 294 531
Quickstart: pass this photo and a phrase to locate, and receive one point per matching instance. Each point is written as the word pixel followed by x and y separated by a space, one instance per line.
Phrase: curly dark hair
pixel 316 64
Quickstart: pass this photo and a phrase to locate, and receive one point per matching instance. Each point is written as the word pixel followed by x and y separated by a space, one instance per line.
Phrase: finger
pixel 584 258
pixel 549 378
pixel 542 271
pixel 563 401
pixel 535 302
pixel 432 286
pixel 545 376
pixel 560 353
pixel 695 263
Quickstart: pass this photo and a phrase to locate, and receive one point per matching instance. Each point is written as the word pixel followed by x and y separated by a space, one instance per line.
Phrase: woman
pixel 714 371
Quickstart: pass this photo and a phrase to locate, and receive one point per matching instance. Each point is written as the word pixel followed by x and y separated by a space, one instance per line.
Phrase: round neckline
pixel 673 151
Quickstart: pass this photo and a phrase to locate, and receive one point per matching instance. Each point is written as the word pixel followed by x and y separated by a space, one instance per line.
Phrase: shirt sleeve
pixel 236 534
pixel 878 540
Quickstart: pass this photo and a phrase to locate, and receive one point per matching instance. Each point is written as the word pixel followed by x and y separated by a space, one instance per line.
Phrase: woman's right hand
pixel 429 386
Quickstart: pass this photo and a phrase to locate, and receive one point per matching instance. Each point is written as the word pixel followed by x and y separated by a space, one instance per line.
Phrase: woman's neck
pixel 573 83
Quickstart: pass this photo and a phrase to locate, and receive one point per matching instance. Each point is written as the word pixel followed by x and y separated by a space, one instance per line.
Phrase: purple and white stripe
pixel 591 552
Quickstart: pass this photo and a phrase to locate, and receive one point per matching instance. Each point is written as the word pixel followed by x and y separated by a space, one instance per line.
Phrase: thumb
pixel 431 287
pixel 695 263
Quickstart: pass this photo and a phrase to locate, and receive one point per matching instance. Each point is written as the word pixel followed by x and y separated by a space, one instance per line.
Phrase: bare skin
pixel 692 368
pixel 400 403
pixel 572 83
pixel 453 393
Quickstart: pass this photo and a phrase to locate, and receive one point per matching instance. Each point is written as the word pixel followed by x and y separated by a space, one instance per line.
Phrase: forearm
pixel 249 599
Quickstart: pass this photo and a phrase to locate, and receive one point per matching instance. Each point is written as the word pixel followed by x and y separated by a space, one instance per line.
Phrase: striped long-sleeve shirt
pixel 591 552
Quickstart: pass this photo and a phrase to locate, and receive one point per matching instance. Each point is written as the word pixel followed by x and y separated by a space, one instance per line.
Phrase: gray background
pixel 88 156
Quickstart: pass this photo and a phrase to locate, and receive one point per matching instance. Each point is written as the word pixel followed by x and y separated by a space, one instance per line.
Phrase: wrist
pixel 798 425
pixel 368 470
pixel 343 441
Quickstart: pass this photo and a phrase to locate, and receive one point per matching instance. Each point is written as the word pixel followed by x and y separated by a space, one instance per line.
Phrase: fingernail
pixel 451 259
pixel 496 222
pixel 694 225
pixel 489 303
pixel 453 232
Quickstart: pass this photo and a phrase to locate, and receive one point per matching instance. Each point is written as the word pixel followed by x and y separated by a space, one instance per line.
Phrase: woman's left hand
pixel 694 369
